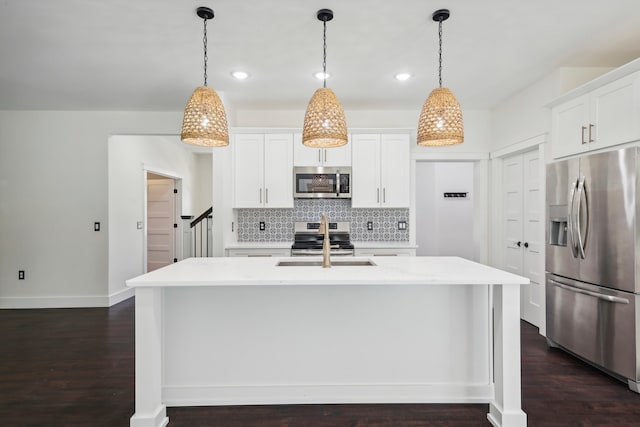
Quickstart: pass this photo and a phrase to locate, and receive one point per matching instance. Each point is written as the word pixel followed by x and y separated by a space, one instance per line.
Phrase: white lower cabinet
pixel 380 170
pixel 385 252
pixel 263 171
pixel 258 252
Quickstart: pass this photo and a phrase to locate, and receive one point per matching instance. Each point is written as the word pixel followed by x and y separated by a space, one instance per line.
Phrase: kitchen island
pixel 233 331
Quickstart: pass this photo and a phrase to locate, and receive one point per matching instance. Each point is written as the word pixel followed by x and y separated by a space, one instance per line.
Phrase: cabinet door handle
pixel 584 128
pixel 266 196
pixel 261 195
pixel 590 132
pixel 384 195
pixel 526 244
pixel 319 159
pixel 325 154
pixel 378 196
pixel 519 243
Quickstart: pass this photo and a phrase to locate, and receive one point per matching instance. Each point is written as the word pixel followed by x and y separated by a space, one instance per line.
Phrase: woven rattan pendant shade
pixel 205 120
pixel 324 122
pixel 325 125
pixel 441 119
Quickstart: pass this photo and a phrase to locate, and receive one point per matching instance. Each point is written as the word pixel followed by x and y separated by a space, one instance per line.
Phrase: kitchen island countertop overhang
pixel 233 331
pixel 264 271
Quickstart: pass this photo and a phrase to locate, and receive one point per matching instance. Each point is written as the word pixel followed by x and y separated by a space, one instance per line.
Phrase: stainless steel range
pixel 308 239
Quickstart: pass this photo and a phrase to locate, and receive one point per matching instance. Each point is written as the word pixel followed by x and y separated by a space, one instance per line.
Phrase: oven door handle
pixel 608 298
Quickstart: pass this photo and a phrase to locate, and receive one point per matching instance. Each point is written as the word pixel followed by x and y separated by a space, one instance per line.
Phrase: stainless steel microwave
pixel 322 182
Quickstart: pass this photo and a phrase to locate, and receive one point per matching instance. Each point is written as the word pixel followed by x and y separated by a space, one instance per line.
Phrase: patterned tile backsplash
pixel 279 222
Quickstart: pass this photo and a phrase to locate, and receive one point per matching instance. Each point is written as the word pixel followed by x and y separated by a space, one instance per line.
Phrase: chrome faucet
pixel 326 241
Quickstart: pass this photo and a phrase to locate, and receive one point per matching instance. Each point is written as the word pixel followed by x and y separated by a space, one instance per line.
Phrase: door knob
pixel 526 244
pixel 519 243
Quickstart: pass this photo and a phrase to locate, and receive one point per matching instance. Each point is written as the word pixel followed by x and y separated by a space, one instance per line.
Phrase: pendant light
pixel 205 121
pixel 441 117
pixel 325 125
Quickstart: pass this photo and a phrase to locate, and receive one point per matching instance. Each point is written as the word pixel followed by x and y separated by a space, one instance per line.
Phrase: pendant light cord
pixel 205 50
pixel 440 51
pixel 324 57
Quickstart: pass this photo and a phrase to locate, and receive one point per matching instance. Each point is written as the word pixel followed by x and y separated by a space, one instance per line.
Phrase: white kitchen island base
pixel 231 331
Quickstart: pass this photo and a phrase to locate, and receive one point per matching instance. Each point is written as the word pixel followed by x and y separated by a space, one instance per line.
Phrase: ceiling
pixel 147 54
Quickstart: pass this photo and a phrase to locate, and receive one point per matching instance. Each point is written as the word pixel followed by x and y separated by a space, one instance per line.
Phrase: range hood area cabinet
pixel 603 117
pixel 309 156
pixel 262 165
pixel 380 171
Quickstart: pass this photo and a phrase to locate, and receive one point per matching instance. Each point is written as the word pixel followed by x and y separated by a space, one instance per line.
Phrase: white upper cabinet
pixel 380 171
pixel 604 117
pixel 395 154
pixel 263 170
pixel 307 156
pixel 365 171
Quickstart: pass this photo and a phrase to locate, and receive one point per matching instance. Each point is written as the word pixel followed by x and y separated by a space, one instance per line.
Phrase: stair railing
pixel 201 234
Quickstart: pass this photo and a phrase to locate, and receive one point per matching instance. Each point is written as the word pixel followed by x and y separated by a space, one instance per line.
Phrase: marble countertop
pixel 242 271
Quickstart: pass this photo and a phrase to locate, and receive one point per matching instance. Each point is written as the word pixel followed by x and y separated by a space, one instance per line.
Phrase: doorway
pixel 445 209
pixel 161 224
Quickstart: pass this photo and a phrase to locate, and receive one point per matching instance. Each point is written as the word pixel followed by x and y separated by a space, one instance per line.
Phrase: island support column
pixel 150 412
pixel 506 408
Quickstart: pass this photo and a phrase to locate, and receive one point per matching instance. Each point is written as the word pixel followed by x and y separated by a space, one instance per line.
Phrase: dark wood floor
pixel 75 368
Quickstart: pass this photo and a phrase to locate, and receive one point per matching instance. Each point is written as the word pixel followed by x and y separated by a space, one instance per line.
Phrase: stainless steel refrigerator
pixel 592 260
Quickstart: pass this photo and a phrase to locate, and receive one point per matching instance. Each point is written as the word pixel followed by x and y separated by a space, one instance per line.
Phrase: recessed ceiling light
pixel 321 76
pixel 240 75
pixel 402 76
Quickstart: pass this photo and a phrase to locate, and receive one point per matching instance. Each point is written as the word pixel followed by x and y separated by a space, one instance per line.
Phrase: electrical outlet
pixel 96 226
pixel 20 274
pixel 402 225
pixel 262 226
pixel 370 225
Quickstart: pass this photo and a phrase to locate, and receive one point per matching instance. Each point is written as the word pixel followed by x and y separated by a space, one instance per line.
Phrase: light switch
pixel 96 226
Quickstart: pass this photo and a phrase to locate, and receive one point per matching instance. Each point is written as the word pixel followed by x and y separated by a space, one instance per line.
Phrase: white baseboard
pixel 326 394
pixel 66 301
pixel 121 295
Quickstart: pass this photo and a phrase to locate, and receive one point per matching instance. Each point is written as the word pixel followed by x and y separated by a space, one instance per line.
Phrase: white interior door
pixel 532 295
pixel 513 216
pixel 523 222
pixel 160 220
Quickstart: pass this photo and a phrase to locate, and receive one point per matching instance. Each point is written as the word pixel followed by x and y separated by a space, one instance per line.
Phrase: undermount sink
pixel 318 263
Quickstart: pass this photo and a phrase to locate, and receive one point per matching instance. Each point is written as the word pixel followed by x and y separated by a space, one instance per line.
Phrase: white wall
pixel 445 226
pixel 129 157
pixel 204 184
pixel 53 187
pixel 355 118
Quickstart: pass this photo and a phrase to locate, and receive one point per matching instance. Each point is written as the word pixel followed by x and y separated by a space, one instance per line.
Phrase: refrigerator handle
pixel 582 240
pixel 571 223
pixel 609 298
